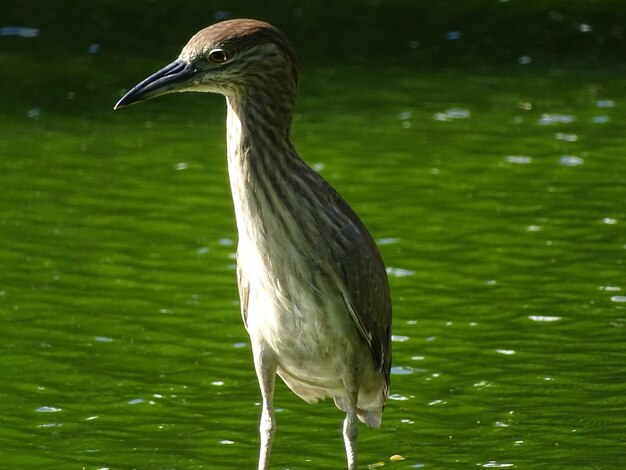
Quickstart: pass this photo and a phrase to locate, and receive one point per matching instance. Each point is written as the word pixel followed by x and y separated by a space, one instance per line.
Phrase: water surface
pixel 497 198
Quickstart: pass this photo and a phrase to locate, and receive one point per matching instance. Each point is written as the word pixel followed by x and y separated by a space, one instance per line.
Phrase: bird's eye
pixel 218 56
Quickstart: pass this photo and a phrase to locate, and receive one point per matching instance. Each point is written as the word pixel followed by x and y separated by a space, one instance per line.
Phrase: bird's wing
pixel 244 293
pixel 367 287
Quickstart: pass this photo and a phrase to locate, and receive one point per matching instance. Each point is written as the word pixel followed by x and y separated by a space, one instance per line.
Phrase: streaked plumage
pixel 313 288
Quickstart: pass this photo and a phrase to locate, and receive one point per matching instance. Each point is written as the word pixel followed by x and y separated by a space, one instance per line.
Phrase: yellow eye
pixel 218 56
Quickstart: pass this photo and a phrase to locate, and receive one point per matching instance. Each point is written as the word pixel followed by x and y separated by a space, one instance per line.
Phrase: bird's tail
pixel 371 416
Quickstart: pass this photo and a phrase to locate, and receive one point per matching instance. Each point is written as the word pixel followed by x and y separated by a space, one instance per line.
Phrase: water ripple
pixel 550 119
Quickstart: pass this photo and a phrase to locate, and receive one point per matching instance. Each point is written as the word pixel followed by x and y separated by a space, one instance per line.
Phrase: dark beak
pixel 167 80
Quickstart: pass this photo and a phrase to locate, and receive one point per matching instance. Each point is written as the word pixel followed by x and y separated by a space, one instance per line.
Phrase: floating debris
pixel 396 458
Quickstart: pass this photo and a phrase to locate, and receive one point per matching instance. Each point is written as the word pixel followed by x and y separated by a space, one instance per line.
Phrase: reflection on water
pixel 19 31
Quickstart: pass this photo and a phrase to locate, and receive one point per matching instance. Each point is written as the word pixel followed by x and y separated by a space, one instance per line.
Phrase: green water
pixel 497 195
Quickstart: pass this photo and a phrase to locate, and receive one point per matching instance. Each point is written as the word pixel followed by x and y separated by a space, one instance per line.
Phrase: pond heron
pixel 313 288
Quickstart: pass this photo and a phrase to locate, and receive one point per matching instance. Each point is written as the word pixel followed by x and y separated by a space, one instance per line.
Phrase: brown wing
pixel 367 287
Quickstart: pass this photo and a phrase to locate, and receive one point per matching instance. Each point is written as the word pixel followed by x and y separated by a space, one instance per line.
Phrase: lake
pixel 496 194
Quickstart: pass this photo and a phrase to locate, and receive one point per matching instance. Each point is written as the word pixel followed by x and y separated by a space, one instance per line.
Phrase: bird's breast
pixel 293 305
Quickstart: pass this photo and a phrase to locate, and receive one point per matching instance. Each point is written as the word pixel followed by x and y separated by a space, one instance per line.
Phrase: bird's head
pixel 233 58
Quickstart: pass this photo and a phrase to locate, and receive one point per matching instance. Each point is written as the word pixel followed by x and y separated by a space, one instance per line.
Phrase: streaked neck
pixel 263 165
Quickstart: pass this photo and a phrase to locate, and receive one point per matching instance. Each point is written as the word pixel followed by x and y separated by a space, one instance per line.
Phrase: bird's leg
pixel 265 366
pixel 350 434
pixel 350 424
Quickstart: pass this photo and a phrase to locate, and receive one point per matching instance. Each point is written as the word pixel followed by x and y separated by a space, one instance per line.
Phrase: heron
pixel 313 288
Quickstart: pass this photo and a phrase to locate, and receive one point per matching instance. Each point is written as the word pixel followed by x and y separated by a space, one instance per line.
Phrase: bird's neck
pixel 283 207
pixel 263 166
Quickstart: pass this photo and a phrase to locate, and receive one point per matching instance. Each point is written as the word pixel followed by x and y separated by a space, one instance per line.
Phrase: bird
pixel 313 287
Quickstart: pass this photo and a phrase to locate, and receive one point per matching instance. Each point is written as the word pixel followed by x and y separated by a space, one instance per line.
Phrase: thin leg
pixel 265 366
pixel 351 424
pixel 350 434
